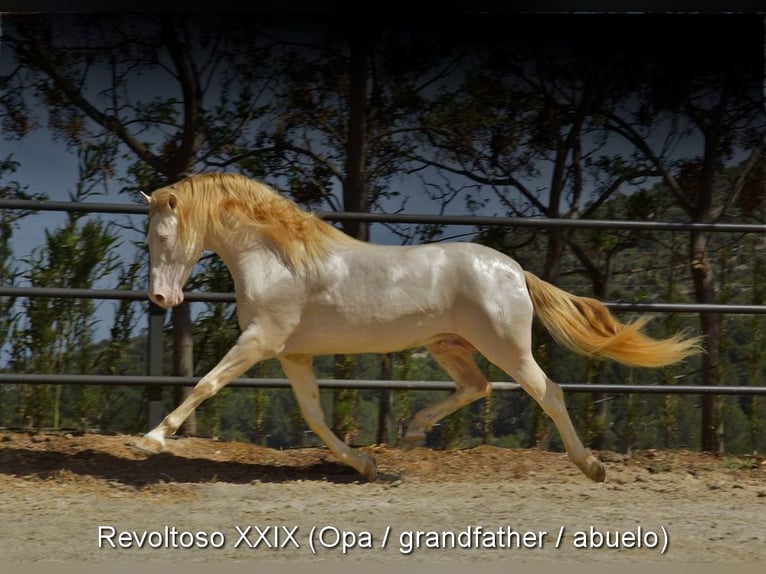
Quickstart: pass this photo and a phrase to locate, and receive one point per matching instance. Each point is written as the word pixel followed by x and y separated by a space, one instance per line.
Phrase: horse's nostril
pixel 158 298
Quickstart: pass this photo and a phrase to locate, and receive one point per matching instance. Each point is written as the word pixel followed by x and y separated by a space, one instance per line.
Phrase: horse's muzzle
pixel 166 300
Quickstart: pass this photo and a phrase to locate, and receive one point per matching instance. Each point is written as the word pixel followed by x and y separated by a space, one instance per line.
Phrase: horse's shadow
pixel 166 468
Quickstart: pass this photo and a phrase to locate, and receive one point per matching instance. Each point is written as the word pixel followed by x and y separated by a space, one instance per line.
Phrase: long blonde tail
pixel 586 326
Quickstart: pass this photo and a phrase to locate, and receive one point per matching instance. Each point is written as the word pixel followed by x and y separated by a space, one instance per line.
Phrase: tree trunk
pixel 385 407
pixel 356 199
pixel 710 323
pixel 757 354
pixel 355 192
pixel 548 350
pixel 183 360
pixel 344 400
pixel 599 402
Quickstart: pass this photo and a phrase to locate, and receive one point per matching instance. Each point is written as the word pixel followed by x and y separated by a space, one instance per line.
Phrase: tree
pixel 56 333
pixel 714 99
pixel 9 269
pixel 134 87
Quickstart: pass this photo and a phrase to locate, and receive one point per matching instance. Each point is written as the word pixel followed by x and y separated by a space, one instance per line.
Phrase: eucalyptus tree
pixel 152 92
pixel 10 271
pixel 55 334
pixel 524 123
pixel 343 102
pixel 9 222
pixel 701 113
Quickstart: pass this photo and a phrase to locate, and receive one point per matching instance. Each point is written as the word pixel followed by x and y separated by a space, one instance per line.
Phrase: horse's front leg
pixel 248 350
pixel 298 369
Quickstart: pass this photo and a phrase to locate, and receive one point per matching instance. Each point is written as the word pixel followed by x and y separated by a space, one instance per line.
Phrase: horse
pixel 305 288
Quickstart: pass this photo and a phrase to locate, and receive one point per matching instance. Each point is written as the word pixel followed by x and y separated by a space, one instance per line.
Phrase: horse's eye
pixel 163 238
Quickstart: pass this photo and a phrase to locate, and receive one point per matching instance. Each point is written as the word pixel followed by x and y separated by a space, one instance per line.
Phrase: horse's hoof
pixel 592 467
pixel 150 444
pixel 598 473
pixel 595 469
pixel 369 468
pixel 413 441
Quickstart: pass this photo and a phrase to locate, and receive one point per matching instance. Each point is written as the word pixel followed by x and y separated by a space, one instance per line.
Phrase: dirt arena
pixel 93 498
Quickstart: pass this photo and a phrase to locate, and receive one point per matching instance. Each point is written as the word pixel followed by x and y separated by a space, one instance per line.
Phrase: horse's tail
pixel 587 327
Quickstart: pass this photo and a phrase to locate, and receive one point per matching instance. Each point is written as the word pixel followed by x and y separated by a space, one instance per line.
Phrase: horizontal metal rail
pixel 413 218
pixel 544 222
pixel 197 296
pixel 75 206
pixel 688 308
pixel 367 384
pixel 115 294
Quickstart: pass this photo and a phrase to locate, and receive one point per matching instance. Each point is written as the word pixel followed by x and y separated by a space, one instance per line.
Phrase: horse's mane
pixel 228 205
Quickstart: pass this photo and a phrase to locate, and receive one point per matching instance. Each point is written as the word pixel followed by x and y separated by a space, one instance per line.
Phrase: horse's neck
pixel 232 251
pixel 254 262
pixel 247 258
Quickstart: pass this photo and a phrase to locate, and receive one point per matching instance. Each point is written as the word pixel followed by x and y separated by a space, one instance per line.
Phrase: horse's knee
pixel 206 389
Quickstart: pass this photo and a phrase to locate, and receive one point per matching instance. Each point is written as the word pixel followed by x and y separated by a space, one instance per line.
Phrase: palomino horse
pixel 304 288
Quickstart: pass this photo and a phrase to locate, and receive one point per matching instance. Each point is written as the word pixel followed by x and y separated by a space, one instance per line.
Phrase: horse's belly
pixel 336 335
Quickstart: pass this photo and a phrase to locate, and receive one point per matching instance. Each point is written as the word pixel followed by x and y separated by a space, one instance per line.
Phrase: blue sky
pixel 48 167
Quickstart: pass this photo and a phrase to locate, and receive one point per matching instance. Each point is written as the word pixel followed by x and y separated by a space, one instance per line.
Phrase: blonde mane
pixel 229 204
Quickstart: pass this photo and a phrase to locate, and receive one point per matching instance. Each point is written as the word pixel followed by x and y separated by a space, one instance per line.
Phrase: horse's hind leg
pixel 455 356
pixel 299 370
pixel 524 370
pixel 551 397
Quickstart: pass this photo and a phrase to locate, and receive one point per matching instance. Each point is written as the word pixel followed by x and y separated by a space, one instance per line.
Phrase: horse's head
pixel 172 252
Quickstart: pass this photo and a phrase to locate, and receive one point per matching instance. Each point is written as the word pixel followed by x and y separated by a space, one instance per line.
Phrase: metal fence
pixel 156 315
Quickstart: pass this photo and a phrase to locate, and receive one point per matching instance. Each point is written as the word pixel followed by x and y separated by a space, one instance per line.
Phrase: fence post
pixel 155 367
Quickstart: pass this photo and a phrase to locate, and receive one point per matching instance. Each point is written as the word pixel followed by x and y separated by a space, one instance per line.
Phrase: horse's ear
pixel 146 197
pixel 172 200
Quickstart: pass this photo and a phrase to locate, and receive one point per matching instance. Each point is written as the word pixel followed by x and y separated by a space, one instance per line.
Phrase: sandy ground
pixel 93 498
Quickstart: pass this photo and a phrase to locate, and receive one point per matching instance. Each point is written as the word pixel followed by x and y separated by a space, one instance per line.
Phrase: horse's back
pixel 433 274
pixel 385 298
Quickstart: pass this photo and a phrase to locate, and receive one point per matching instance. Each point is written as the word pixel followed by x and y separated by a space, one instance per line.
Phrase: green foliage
pixel 55 335
pixel 740 463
